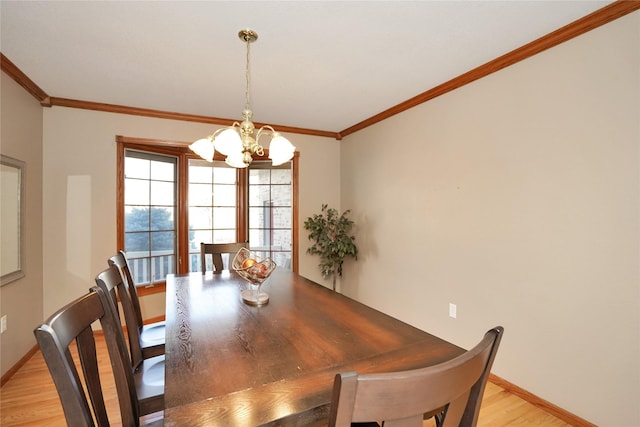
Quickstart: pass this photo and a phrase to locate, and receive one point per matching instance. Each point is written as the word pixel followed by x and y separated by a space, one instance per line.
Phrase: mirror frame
pixel 12 196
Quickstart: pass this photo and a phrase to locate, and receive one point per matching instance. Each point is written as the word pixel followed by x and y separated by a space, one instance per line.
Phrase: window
pixel 270 211
pixel 213 213
pixel 149 212
pixel 170 201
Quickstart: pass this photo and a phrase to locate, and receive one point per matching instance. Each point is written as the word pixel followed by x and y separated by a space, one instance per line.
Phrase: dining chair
pixel 216 250
pixel 400 399
pixel 56 336
pixel 152 335
pixel 148 373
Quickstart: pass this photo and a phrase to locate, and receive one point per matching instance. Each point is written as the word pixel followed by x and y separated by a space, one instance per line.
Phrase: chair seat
pixel 156 423
pixel 149 381
pixel 153 333
pixel 152 339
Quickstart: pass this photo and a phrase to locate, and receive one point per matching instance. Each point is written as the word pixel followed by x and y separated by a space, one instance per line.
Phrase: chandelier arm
pixel 263 130
pixel 212 137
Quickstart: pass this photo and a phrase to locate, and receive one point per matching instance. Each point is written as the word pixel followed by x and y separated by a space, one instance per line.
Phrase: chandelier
pixel 237 142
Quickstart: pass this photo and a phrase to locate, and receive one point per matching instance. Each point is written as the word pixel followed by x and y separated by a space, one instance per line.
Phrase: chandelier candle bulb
pixel 236 142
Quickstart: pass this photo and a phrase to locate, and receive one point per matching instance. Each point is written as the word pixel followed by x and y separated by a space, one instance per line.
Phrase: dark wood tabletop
pixel 232 364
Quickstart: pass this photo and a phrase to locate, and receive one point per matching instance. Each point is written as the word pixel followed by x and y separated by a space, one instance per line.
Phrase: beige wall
pixel 523 209
pixel 21 301
pixel 80 192
pixel 519 202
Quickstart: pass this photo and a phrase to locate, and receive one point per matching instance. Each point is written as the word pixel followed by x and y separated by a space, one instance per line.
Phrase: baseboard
pixel 549 407
pixel 153 320
pixel 7 376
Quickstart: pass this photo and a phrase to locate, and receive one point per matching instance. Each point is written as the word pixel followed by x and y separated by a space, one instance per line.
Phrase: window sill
pixel 154 288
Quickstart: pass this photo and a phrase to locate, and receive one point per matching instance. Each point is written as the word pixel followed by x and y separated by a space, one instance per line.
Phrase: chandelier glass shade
pixel 237 142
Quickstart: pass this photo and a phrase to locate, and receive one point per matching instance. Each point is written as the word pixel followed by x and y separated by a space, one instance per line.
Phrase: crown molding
pixel 594 20
pixel 23 80
pixel 135 111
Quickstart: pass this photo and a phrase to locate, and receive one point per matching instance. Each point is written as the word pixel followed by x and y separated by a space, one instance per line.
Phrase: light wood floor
pixel 29 399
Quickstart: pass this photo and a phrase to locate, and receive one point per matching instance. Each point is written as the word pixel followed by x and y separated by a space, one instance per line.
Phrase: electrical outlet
pixel 453 310
pixel 3 323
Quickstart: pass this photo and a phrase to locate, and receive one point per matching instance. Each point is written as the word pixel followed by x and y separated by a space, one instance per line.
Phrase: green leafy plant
pixel 330 232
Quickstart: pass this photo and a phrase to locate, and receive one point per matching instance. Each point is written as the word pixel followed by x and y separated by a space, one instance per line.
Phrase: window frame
pixel 181 151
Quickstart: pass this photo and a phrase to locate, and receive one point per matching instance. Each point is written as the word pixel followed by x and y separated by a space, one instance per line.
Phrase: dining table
pixel 229 363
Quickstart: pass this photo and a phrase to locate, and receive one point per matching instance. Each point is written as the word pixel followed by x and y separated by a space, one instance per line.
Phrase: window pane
pixel 258 194
pixel 209 236
pixel 140 269
pixel 161 266
pixel 162 171
pixel 200 195
pixel 137 242
pixel 162 242
pixel 224 175
pixel 224 195
pixel 256 218
pixel 281 217
pixel 136 219
pixel 224 218
pixel 281 195
pixel 202 174
pixel 136 192
pixel 199 236
pixel 281 240
pixel 200 218
pixel 281 176
pixel 194 262
pixel 162 193
pixel 259 176
pixel 282 259
pixel 162 219
pixel 224 236
pixel 136 168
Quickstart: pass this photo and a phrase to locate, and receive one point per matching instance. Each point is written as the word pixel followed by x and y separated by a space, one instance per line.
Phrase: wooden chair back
pixel 216 250
pixel 55 337
pixel 152 335
pixel 471 411
pixel 121 262
pixel 401 399
pixel 109 281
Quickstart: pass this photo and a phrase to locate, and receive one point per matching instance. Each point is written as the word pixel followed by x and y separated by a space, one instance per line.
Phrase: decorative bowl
pixel 255 270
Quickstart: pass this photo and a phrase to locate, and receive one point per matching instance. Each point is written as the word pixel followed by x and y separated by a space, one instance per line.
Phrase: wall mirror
pixel 11 222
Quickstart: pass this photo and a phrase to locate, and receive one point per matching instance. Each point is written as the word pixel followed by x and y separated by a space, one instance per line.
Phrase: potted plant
pixel 329 231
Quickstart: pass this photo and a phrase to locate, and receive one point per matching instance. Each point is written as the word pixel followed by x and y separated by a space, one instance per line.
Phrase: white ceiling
pixel 324 65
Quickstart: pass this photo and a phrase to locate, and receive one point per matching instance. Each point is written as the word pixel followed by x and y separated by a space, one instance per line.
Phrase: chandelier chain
pixel 247 91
